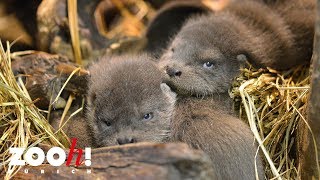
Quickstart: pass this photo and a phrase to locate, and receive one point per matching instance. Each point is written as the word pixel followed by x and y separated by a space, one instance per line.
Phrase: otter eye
pixel 208 65
pixel 148 116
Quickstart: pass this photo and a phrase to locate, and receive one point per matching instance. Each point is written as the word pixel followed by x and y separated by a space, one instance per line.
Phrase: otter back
pixel 204 124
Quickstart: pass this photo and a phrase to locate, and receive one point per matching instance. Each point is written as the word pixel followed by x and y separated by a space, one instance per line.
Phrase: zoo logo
pixel 30 159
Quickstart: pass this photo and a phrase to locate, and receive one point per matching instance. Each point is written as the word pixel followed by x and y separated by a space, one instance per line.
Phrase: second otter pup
pixel 207 53
pixel 127 102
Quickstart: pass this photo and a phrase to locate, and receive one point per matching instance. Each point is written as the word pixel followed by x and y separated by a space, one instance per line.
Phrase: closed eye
pixel 107 122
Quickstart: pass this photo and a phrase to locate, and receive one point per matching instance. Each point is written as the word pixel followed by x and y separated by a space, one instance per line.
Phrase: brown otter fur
pixel 78 128
pixel 300 18
pixel 208 124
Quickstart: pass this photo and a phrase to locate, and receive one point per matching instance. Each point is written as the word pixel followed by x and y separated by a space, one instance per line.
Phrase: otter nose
pixel 122 141
pixel 173 72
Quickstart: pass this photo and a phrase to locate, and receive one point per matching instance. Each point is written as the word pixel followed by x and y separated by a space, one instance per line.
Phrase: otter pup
pixel 208 51
pixel 127 102
pixel 127 106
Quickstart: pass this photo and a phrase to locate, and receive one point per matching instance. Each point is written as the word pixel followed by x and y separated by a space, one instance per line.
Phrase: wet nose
pixel 125 140
pixel 172 72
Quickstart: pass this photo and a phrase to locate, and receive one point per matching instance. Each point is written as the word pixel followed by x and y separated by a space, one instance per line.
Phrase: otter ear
pixel 242 58
pixel 167 91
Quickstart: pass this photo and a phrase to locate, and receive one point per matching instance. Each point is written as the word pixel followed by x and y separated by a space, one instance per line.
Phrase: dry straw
pixel 273 103
pixel 74 30
pixel 21 123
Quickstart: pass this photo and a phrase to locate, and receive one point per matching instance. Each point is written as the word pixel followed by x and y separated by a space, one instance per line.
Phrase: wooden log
pixel 45 75
pixel 134 161
pixel 308 160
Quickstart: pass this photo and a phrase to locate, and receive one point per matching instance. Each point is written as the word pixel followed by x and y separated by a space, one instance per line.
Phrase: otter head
pixel 127 102
pixel 203 58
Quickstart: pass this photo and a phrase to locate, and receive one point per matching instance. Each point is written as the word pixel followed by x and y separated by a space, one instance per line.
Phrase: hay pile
pixel 273 103
pixel 21 123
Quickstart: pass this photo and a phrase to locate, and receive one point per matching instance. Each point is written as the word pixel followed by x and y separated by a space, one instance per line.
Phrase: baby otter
pixel 208 51
pixel 127 102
